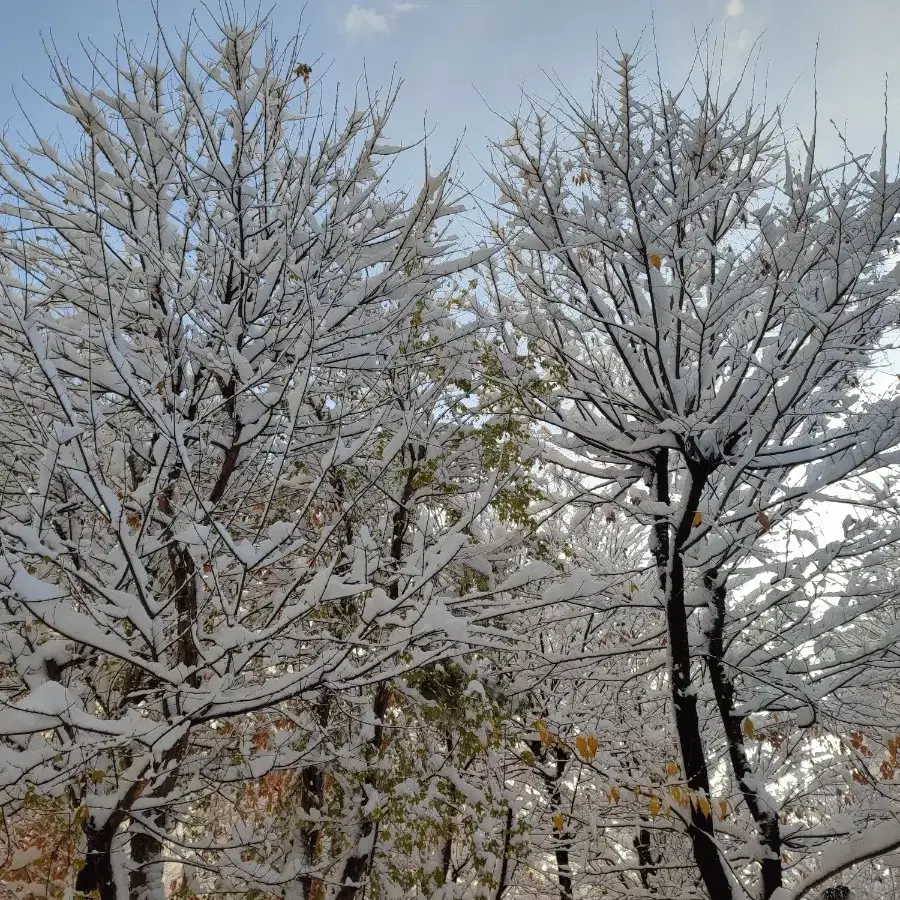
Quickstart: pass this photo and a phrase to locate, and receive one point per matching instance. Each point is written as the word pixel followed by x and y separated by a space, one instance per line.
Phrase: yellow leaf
pixel 655 260
pixel 634 587
pixel 723 809
pixel 545 736
pixel 655 806
pixel 97 776
pixel 559 821
pixel 671 769
pixel 749 728
pixel 586 745
pixel 698 519
pixel 614 794
pixel 703 804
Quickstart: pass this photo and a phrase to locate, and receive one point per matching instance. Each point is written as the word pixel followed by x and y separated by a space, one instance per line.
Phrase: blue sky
pixel 461 58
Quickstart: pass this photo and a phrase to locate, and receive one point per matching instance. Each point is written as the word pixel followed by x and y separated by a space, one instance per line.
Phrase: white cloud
pixel 734 9
pixel 364 21
pixel 404 7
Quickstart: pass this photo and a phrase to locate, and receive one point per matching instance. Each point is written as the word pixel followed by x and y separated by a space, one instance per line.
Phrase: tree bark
pixel 446 858
pixel 564 841
pixel 645 858
pixel 97 873
pixel 766 819
pixel 358 864
pixel 670 572
pixel 312 796
pixel 146 876
pixel 552 781
pixel 505 867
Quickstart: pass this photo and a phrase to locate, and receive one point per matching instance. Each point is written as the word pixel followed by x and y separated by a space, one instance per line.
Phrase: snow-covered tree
pixel 691 313
pixel 238 486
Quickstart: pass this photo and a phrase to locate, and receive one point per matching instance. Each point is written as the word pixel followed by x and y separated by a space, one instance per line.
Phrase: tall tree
pixel 228 446
pixel 698 310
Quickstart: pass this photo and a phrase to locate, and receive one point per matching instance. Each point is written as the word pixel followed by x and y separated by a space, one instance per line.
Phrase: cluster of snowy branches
pixel 337 562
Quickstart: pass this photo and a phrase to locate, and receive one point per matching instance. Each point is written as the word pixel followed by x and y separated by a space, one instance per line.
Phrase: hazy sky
pixel 460 57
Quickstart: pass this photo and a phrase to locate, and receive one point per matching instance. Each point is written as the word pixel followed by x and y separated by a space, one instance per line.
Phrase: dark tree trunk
pixel 766 819
pixel 358 864
pixel 645 858
pixel 552 781
pixel 146 861
pixel 564 838
pixel 312 796
pixel 505 867
pixel 146 849
pixel 446 859
pixel 97 873
pixel 670 571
